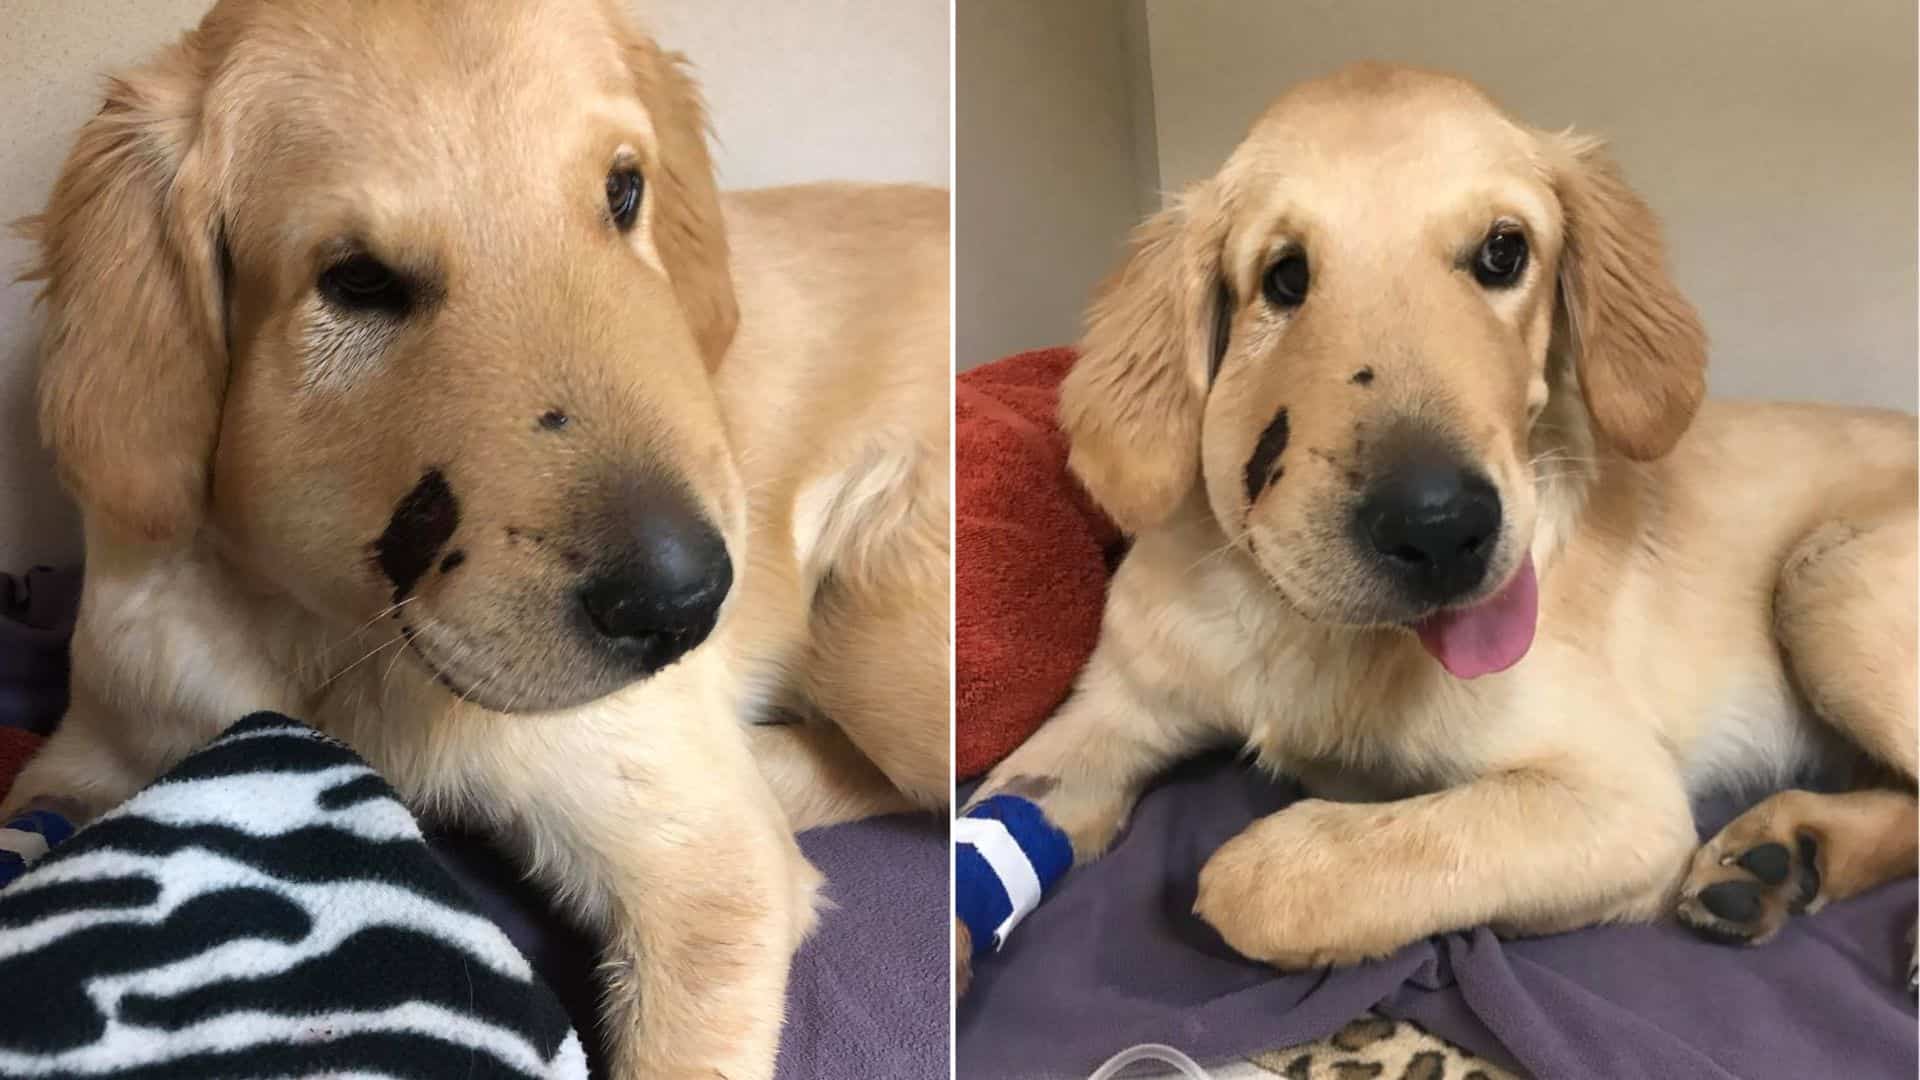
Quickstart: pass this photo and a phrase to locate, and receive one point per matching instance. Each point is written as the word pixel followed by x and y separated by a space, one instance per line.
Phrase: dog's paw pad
pixel 1734 901
pixel 1768 862
pixel 1742 894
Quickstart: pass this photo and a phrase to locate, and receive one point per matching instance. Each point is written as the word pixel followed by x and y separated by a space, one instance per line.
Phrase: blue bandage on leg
pixel 1006 856
pixel 27 837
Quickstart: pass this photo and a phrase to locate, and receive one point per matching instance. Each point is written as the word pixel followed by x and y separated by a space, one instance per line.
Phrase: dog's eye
pixel 624 186
pixel 1287 280
pixel 1501 259
pixel 364 283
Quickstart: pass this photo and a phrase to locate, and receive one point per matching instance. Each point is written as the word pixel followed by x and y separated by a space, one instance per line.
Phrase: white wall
pixel 1047 175
pixel 1776 138
pixel 812 89
pixel 818 89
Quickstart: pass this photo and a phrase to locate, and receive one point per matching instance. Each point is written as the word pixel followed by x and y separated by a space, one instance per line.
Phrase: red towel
pixel 1031 560
pixel 16 746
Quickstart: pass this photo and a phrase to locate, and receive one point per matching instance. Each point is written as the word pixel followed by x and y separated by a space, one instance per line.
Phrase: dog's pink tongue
pixel 1490 636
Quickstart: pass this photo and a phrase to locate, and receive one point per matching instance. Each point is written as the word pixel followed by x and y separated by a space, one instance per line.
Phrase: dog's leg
pixel 860 726
pixel 854 643
pixel 653 823
pixel 879 629
pixel 819 776
pixel 1530 849
pixel 1086 766
pixel 73 775
pixel 879 671
pixel 94 761
pixel 1844 614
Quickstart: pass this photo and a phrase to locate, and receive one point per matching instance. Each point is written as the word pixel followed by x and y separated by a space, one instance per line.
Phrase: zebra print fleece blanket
pixel 266 909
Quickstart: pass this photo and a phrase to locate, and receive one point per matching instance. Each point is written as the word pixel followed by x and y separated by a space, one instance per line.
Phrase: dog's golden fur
pixel 774 359
pixel 1727 590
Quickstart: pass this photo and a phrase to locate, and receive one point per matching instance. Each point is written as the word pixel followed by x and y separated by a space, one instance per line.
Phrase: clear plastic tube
pixel 1154 1052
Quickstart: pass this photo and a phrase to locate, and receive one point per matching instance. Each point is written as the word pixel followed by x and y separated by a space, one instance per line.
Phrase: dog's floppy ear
pixel 1637 343
pixel 133 362
pixel 688 229
pixel 1132 404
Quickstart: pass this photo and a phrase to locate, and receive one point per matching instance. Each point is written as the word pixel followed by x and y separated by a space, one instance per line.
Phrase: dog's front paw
pixel 1746 882
pixel 1279 893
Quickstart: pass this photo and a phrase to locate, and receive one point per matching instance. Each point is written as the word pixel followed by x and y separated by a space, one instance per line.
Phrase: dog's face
pixel 1350 336
pixel 411 311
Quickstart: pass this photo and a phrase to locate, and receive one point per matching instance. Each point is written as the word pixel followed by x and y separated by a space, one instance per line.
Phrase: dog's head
pixel 410 308
pixel 1367 342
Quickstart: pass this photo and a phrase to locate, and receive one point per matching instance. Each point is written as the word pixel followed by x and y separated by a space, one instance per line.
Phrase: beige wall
pixel 1047 174
pixel 1775 137
pixel 805 90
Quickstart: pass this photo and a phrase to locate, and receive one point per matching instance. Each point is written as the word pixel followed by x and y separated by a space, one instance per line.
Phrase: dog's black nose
pixel 1434 525
pixel 661 595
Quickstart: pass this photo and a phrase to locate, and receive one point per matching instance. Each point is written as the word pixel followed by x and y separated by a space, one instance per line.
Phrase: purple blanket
pixel 1114 957
pixel 867 996
pixel 868 992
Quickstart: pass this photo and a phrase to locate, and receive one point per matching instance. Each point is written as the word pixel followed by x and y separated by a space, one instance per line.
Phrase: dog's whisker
pixel 460 651
pixel 481 685
pixel 1232 542
pixel 336 676
pixel 1205 556
pixel 425 626
pixel 385 612
pixel 1559 454
pixel 316 664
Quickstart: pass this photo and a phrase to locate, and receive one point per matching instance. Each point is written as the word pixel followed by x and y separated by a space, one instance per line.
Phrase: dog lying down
pixel 414 377
pixel 1405 415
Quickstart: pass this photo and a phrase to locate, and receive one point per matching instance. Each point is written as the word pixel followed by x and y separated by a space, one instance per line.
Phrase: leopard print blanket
pixel 1372 1048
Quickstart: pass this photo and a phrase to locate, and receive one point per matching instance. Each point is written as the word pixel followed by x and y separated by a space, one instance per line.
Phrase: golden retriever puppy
pixel 1406 417
pixel 415 380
